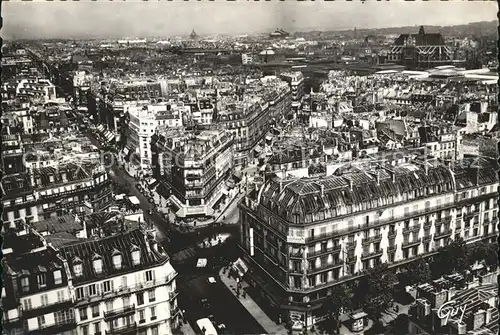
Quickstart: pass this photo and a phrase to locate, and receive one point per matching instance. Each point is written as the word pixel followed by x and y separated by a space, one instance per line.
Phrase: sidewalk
pixel 251 306
pixel 187 329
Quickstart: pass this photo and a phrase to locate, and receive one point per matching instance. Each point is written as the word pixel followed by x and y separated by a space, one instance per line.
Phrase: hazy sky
pixel 160 18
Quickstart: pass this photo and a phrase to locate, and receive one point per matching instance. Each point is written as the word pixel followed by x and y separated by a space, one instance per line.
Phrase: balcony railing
pixel 407 243
pixel 119 312
pixel 471 215
pixel 123 330
pixel 444 233
pixel 391 234
pixel 411 229
pixel 351 245
pixel 173 294
pixel 368 255
pixel 121 290
pixel 40 310
pixel 67 192
pixel 372 239
pixel 427 238
pixel 375 223
pixel 60 327
pixel 351 258
pixel 295 271
pixel 323 252
pixel 391 248
pixel 443 220
pixel 296 255
pixel 325 266
pixel 174 312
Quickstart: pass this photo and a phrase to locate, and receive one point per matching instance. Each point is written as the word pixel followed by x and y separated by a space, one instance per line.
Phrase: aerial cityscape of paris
pixel 245 167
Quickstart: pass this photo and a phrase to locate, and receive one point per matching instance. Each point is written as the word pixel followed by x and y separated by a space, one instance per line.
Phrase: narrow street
pixel 173 240
pixel 223 308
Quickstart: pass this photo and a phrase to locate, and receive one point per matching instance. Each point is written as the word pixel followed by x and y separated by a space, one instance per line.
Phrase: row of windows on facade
pixel 87 329
pixel 41 280
pixel 95 328
pixel 440 228
pixel 108 286
pixel 392 243
pixel 468 209
pixel 95 309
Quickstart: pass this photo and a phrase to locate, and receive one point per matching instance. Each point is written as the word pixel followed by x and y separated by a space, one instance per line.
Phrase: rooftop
pixel 65 223
pixel 104 249
pixel 309 199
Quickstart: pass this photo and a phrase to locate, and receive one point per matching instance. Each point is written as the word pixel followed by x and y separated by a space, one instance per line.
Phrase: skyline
pixel 32 20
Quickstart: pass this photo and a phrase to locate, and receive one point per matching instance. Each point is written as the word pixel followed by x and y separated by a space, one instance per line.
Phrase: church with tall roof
pixel 420 51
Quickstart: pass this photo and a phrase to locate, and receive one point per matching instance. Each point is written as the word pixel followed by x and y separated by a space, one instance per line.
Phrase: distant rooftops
pixel 421 39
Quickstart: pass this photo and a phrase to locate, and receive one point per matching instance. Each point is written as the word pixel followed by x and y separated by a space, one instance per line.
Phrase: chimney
pixel 461 328
pixel 378 177
pixel 477 175
pixel 148 247
pixel 487 318
pixel 154 244
pixel 479 318
pixel 322 190
pixel 451 293
pixel 440 298
pixel 350 184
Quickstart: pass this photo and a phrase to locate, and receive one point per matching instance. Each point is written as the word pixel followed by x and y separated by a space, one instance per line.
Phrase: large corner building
pixel 302 237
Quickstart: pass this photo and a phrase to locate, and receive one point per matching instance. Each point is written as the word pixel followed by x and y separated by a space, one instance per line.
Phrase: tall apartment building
pixel 143 121
pixel 301 237
pixel 296 82
pixel 122 284
pixel 53 191
pixel 36 296
pixel 196 165
pixel 250 119
pixel 443 143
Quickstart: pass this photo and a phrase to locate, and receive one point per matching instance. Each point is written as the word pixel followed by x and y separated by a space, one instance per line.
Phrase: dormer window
pixel 51 178
pixel 136 255
pixel 117 259
pixel 41 280
pixel 97 264
pixel 25 284
pixel 57 277
pixel 77 269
